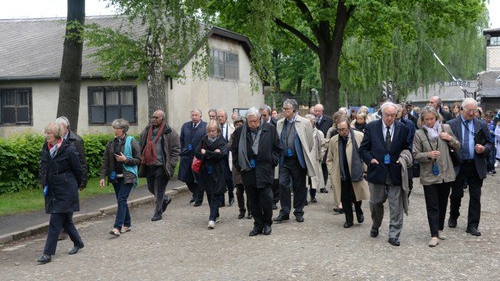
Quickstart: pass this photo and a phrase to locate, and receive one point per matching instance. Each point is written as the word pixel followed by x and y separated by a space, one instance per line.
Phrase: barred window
pixel 16 106
pixel 224 65
pixel 109 103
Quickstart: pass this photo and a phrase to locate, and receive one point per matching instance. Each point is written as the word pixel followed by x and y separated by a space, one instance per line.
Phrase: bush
pixel 20 158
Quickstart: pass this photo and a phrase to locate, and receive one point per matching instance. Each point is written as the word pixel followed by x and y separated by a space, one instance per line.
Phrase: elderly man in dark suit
pixel 191 134
pixel 256 150
pixel 384 141
pixel 266 116
pixel 475 145
pixel 323 123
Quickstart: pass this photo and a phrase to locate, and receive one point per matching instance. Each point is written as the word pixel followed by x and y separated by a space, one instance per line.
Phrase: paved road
pixel 180 247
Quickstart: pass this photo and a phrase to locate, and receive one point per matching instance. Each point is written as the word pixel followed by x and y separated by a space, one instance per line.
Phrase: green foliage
pixel 20 158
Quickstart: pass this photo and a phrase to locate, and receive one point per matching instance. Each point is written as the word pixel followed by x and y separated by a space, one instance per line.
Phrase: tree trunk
pixel 157 98
pixel 71 68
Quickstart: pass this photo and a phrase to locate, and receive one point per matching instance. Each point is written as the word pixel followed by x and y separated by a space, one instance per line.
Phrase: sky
pixel 57 8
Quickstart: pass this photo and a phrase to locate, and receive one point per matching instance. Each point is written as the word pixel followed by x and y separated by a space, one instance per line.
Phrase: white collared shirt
pixel 384 130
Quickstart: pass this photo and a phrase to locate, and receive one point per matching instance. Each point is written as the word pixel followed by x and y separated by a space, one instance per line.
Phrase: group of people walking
pixel 269 158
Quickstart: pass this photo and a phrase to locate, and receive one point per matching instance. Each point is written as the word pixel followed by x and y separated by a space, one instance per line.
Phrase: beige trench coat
pixel 318 151
pixel 361 189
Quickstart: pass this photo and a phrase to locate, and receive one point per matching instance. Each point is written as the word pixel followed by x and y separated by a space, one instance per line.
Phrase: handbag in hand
pixel 197 163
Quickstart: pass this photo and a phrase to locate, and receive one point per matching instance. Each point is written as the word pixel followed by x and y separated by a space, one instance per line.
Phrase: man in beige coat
pixel 296 160
pixel 346 170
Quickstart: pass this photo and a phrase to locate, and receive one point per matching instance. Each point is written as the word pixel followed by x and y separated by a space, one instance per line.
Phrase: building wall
pixel 493 58
pixel 182 96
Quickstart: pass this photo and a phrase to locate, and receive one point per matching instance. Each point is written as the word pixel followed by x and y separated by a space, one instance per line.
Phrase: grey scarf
pixel 356 167
pixel 242 148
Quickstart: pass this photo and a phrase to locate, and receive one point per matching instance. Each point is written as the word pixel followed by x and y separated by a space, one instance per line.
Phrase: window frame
pixel 104 90
pixel 29 93
pixel 224 65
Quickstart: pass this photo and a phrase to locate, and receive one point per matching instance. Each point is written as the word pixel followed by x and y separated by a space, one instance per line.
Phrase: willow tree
pixel 159 36
pixel 329 22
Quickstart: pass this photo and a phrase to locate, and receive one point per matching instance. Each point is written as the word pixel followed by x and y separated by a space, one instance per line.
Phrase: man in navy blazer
pixel 382 144
pixel 323 123
pixel 475 145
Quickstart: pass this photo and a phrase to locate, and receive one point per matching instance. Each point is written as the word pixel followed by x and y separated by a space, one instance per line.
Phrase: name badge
pixel 289 152
pixel 190 147
pixel 209 169
pixel 435 169
pixel 387 159
pixel 252 163
pixel 45 190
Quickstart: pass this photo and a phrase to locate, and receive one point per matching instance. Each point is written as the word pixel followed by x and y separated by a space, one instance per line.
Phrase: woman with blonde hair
pixel 60 175
pixel 212 150
pixel 431 148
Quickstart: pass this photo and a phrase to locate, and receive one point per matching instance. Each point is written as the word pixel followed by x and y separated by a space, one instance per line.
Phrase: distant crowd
pixel 269 160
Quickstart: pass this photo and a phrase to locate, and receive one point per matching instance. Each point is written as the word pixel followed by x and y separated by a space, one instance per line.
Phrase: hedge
pixel 20 159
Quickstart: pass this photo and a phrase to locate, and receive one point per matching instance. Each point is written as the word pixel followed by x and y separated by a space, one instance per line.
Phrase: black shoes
pixel 394 241
pixel 338 210
pixel 299 218
pixel 249 216
pixel 313 199
pixel 255 231
pixel 43 259
pixel 231 202
pixel 360 217
pixel 275 207
pixel 280 218
pixel 267 230
pixel 197 204
pixel 323 190
pixel 75 249
pixel 374 232
pixel 348 224
pixel 156 217
pixel 241 215
pixel 473 231
pixel 191 200
pixel 165 203
pixel 452 223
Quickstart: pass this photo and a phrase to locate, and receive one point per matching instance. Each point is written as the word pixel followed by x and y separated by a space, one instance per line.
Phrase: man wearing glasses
pixel 475 145
pixel 296 140
pixel 159 154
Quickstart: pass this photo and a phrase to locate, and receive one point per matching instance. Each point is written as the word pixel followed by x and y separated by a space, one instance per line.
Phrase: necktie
pixel 388 138
pixel 465 145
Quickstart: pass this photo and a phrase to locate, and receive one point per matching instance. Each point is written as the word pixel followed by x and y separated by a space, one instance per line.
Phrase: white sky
pixel 57 8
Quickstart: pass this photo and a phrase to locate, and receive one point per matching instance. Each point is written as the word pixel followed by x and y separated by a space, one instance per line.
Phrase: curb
pixel 108 210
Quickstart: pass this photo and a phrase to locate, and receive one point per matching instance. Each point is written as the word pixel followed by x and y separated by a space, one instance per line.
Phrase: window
pixel 224 65
pixel 15 106
pixel 109 103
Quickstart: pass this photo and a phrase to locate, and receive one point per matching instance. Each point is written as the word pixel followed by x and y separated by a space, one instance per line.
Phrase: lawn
pixel 32 200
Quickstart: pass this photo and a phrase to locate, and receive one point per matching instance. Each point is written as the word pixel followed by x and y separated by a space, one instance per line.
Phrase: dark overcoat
pixel 190 139
pixel 211 176
pixel 265 160
pixel 63 175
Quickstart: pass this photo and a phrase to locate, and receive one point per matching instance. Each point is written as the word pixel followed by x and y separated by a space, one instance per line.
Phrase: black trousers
pixel 157 184
pixel 292 172
pixel 196 190
pixel 57 222
pixel 347 197
pixel 261 205
pixel 276 191
pixel 324 169
pixel 467 172
pixel 240 190
pixel 436 201
pixel 228 177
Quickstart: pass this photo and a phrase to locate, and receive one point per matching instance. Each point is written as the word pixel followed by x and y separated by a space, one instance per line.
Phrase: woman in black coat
pixel 212 150
pixel 60 175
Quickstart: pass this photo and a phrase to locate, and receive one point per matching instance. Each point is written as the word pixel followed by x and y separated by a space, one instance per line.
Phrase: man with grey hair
pixel 160 149
pixel 383 143
pixel 265 114
pixel 191 134
pixel 473 134
pixel 226 131
pixel 256 150
pixel 323 123
pixel 296 160
pixel 435 102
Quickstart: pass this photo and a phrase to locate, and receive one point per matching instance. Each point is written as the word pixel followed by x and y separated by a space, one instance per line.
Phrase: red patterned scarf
pixel 149 152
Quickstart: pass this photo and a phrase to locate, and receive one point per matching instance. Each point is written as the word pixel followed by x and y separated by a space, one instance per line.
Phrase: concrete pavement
pixel 180 247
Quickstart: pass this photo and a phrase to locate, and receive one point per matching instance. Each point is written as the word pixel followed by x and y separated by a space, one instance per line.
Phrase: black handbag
pixel 456 156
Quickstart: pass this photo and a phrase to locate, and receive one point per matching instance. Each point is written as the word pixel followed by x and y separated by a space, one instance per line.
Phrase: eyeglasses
pixel 287 108
pixel 342 129
pixel 470 110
